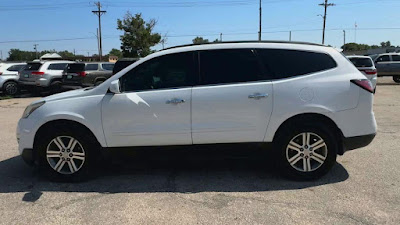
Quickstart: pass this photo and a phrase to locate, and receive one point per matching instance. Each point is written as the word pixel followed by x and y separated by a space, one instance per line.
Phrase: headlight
pixel 31 108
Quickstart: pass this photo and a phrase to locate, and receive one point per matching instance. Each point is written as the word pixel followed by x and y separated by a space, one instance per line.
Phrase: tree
pixel 355 47
pixel 216 40
pixel 116 52
pixel 199 40
pixel 386 44
pixel 138 35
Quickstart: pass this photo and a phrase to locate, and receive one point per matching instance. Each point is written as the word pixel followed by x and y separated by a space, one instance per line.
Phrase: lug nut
pixel 301 154
pixel 63 159
pixel 67 150
pixel 70 155
pixel 60 154
pixel 63 150
pixel 67 159
pixel 306 146
pixel 301 149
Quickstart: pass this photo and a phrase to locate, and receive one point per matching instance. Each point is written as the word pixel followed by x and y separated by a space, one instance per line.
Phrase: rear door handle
pixel 258 96
pixel 175 101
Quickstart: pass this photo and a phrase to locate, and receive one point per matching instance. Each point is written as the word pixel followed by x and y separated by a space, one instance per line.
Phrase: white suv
pixel 9 77
pixel 308 100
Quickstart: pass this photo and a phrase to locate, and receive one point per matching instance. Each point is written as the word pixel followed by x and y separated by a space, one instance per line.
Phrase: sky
pixel 27 22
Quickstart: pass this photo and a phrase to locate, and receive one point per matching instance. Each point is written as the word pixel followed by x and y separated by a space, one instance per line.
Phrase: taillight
pixel 364 84
pixel 82 74
pixel 37 73
pixel 370 72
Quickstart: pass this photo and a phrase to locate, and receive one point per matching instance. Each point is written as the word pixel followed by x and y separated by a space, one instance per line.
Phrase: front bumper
pixel 28 156
pixel 351 143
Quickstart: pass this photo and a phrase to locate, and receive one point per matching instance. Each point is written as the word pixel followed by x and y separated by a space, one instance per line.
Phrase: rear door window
pixel 384 58
pixel 57 66
pixel 290 63
pixel 226 66
pixel 16 68
pixel 396 58
pixel 361 62
pixel 92 66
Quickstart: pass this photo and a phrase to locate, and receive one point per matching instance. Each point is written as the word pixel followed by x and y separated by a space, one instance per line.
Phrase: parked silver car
pixel 9 77
pixel 388 64
pixel 43 75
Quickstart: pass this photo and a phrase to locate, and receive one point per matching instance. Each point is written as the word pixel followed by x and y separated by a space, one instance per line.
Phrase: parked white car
pixel 306 99
pixel 43 75
pixel 9 77
pixel 366 66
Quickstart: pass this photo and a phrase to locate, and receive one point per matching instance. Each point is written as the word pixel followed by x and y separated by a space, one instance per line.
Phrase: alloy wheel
pixel 11 88
pixel 306 152
pixel 65 155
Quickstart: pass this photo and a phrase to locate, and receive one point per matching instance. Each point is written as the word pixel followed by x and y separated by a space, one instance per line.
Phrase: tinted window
pixel 229 66
pixel 289 63
pixel 57 66
pixel 384 58
pixel 169 71
pixel 361 62
pixel 33 66
pixel 75 67
pixel 107 66
pixel 92 67
pixel 122 64
pixel 16 68
pixel 396 58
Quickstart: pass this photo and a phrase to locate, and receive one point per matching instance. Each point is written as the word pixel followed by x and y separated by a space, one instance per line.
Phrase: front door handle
pixel 257 96
pixel 175 101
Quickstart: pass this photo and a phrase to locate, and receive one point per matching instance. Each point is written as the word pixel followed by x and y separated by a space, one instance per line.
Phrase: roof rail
pixel 233 42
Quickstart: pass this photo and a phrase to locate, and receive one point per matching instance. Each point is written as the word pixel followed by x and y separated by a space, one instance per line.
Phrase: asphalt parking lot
pixel 202 188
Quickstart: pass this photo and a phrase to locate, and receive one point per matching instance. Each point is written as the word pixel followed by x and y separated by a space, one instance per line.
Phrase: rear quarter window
pixel 361 62
pixel 107 66
pixel 92 66
pixel 285 63
pixel 16 68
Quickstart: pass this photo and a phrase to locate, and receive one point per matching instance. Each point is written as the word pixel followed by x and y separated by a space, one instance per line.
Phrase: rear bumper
pixel 351 143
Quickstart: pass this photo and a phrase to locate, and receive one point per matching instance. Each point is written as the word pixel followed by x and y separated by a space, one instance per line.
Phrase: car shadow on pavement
pixel 189 172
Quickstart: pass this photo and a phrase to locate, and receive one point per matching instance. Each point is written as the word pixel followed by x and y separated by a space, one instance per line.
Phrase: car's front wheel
pixel 66 154
pixel 396 79
pixel 306 152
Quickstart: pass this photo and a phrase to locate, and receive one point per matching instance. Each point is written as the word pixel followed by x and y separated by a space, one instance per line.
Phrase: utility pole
pixel 220 37
pixel 355 32
pixel 98 44
pixel 325 5
pixel 344 37
pixel 36 52
pixel 259 32
pixel 99 13
pixel 290 35
pixel 1 53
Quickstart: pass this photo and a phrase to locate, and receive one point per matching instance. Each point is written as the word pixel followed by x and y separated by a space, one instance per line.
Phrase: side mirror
pixel 115 87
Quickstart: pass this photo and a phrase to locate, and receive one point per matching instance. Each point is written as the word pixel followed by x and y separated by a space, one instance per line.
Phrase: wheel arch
pixel 62 122
pixel 308 118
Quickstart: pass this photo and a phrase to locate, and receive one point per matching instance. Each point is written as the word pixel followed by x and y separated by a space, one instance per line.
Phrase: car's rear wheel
pixel 10 88
pixel 306 152
pixel 396 79
pixel 66 154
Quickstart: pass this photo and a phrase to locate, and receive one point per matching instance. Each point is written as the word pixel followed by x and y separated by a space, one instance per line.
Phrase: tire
pixel 10 88
pixel 293 155
pixel 396 79
pixel 97 83
pixel 62 159
pixel 55 87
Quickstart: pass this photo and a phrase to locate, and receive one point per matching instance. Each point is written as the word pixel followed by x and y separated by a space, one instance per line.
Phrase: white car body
pixel 210 113
pixel 9 72
pixel 368 70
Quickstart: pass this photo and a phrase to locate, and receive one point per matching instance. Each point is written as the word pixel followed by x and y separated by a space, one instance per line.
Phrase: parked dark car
pixel 87 74
pixel 123 63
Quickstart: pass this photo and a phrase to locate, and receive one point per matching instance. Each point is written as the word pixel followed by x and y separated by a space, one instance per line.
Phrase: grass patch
pixel 5 97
